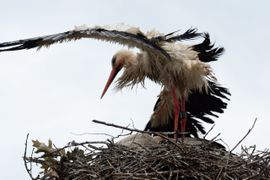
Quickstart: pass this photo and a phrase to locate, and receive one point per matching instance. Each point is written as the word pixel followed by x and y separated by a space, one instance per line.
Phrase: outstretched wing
pixel 125 35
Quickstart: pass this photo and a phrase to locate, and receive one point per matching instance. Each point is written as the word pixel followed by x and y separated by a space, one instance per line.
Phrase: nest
pixel 164 159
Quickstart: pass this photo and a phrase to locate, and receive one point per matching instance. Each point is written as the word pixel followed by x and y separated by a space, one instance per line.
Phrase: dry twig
pixel 244 136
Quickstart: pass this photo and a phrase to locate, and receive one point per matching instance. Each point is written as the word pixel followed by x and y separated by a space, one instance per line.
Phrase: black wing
pixel 201 107
pixel 206 50
pixel 173 37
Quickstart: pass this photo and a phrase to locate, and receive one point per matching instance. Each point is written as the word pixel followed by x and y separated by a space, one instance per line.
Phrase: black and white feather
pixel 163 59
pixel 122 34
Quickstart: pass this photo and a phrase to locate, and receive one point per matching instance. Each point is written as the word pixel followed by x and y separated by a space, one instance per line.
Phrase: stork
pixel 179 68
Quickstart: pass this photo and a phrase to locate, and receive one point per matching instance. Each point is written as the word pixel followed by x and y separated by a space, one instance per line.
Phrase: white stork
pixel 179 68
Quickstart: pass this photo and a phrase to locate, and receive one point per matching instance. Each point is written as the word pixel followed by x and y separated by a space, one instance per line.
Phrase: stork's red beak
pixel 110 80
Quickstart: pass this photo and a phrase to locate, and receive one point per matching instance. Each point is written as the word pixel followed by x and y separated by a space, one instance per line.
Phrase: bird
pixel 200 106
pixel 179 68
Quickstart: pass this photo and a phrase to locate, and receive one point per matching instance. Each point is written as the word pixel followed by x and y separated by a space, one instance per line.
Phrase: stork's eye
pixel 113 61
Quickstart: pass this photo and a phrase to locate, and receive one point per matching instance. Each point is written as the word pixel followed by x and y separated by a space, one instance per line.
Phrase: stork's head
pixel 122 58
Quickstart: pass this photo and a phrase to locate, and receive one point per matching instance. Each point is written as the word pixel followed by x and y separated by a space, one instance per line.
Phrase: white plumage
pixel 179 68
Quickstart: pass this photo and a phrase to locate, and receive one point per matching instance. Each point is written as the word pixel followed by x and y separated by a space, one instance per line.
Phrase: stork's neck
pixel 126 58
pixel 130 59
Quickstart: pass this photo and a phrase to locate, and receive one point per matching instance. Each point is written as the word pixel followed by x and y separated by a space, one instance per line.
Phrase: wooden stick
pixel 244 136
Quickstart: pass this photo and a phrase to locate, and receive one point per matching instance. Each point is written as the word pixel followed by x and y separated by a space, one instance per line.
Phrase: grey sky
pixel 53 92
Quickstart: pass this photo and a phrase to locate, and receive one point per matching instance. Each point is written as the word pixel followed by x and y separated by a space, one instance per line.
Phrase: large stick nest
pixel 162 160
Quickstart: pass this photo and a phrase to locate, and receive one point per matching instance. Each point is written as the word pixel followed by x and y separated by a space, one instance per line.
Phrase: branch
pixel 161 134
pixel 208 131
pixel 121 127
pixel 244 136
pixel 134 130
pixel 86 133
pixel 29 170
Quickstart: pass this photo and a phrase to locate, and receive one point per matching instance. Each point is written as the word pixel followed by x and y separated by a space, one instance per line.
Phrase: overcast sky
pixel 55 92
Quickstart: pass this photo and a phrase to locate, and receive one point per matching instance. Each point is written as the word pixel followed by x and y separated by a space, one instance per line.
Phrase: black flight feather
pixel 200 106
